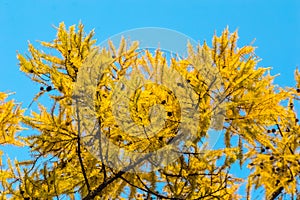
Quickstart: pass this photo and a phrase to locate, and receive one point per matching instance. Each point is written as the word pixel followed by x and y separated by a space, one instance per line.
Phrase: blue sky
pixel 275 24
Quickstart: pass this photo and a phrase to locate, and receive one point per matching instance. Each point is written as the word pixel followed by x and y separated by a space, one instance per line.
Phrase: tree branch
pixel 79 150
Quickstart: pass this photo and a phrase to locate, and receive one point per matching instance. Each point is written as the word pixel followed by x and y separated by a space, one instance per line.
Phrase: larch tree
pixel 84 128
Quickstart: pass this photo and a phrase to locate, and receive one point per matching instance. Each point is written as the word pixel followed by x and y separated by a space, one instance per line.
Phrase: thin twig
pixel 79 150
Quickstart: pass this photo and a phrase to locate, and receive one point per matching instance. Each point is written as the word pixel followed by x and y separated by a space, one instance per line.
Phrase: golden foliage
pixel 259 131
pixel 10 116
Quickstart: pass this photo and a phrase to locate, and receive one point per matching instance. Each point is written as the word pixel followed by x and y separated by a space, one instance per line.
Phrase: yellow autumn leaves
pixel 10 117
pixel 259 130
